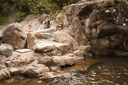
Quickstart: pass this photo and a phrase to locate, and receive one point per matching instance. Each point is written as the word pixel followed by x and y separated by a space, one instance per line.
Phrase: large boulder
pixel 31 20
pixel 14 35
pixel 63 37
pixel 50 46
pixel 35 69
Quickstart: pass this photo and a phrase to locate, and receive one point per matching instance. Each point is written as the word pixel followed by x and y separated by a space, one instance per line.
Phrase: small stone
pixel 107 11
pixel 79 53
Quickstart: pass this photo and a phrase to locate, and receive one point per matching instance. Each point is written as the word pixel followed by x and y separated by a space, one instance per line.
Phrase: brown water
pixel 113 71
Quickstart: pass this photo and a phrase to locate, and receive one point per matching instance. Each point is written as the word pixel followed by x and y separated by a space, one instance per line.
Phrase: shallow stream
pixel 112 71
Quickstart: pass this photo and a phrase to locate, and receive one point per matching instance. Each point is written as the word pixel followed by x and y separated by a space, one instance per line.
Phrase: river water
pixel 112 71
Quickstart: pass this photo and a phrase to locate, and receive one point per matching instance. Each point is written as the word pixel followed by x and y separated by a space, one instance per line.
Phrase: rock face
pixel 59 18
pixel 76 30
pixel 31 20
pixel 104 23
pixel 13 34
pixel 109 28
pixel 62 37
pixel 42 18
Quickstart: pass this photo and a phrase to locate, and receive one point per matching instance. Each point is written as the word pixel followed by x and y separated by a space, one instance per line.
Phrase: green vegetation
pixel 110 3
pixel 17 10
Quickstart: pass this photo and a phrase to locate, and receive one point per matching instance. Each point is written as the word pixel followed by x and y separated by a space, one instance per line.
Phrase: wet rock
pixel 63 60
pixel 82 65
pixel 59 74
pixel 120 53
pixel 79 53
pixel 5 51
pixel 55 68
pixel 45 60
pixel 4 73
pixel 88 55
pixel 79 59
pixel 29 70
pixel 35 69
pixel 98 46
pixel 30 41
pixel 14 35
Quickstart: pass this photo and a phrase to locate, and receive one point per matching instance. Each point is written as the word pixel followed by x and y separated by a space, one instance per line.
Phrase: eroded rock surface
pixel 14 35
pixel 104 23
pixel 20 59
pixel 63 37
pixel 50 46
pixel 30 70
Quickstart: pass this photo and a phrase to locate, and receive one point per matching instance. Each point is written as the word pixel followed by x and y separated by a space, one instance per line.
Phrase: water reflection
pixel 113 71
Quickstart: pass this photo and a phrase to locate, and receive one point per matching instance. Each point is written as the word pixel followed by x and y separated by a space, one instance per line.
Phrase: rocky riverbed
pixel 89 27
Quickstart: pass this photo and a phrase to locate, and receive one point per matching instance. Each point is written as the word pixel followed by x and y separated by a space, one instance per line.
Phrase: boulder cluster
pixel 98 27
pixel 33 54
